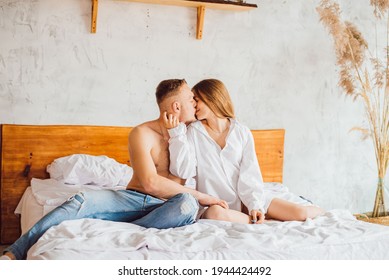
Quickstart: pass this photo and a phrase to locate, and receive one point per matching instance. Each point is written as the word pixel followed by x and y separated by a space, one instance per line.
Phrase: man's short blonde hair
pixel 168 88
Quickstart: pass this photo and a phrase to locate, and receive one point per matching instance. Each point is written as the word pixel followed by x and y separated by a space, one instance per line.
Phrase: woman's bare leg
pixel 216 212
pixel 283 210
pixel 279 209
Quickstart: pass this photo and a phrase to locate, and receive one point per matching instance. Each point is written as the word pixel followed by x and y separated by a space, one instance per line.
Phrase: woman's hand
pixel 257 217
pixel 170 121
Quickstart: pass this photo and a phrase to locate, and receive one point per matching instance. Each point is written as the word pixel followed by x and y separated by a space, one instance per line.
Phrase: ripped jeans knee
pixel 189 206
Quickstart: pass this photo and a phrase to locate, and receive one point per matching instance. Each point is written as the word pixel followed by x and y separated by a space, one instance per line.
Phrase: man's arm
pixel 151 182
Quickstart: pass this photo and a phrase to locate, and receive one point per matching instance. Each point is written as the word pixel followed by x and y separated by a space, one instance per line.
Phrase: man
pixel 153 198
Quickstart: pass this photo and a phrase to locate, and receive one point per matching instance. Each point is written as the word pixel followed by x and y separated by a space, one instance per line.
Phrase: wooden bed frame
pixel 26 150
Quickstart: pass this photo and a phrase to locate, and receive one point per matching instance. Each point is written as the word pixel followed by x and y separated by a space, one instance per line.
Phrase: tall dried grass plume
pixel 364 77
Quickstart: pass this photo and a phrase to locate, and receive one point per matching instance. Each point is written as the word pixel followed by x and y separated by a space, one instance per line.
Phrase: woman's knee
pixel 300 213
pixel 215 212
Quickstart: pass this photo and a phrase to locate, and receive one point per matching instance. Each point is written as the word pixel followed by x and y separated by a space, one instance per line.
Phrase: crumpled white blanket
pixel 51 193
pixel 89 169
pixel 334 235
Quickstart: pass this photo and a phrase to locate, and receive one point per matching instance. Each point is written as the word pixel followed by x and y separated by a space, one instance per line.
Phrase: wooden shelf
pixel 212 4
pixel 201 5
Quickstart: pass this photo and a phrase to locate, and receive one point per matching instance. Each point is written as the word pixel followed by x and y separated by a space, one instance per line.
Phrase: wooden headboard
pixel 26 150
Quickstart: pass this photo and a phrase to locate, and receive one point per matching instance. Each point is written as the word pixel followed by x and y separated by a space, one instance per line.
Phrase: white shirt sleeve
pixel 250 183
pixel 182 155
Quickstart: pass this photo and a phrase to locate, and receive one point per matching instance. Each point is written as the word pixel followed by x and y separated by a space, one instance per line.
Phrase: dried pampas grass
pixel 380 7
pixel 356 62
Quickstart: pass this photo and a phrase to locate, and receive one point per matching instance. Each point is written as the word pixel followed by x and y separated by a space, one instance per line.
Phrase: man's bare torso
pixel 156 140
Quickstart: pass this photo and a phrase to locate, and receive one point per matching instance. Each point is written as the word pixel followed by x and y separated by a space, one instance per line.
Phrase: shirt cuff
pixel 256 206
pixel 177 131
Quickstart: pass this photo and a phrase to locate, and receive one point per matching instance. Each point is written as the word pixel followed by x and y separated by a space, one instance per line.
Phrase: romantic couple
pixel 212 163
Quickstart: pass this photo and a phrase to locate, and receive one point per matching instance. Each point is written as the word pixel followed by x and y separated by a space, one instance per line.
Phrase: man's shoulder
pixel 144 129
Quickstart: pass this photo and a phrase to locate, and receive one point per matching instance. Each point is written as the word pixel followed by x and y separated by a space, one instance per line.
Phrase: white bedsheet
pixel 334 235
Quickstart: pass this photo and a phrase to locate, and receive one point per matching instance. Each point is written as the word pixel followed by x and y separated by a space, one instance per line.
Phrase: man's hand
pixel 170 121
pixel 257 217
pixel 207 200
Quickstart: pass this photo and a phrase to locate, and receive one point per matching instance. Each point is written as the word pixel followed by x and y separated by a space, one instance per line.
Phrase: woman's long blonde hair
pixel 215 95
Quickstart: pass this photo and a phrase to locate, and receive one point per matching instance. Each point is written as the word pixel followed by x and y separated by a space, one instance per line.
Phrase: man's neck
pixel 162 129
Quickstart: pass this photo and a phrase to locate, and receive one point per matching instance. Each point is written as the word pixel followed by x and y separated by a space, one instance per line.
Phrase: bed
pixel 26 151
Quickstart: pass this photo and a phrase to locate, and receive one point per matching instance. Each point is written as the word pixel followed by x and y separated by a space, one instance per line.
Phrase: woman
pixel 219 153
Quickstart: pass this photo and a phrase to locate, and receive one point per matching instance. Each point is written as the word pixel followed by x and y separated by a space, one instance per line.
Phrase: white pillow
pixel 82 169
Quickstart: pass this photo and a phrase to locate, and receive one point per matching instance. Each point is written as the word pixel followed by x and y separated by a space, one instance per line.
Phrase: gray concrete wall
pixel 277 61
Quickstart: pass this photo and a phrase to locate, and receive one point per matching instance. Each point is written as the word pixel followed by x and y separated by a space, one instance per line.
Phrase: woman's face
pixel 202 110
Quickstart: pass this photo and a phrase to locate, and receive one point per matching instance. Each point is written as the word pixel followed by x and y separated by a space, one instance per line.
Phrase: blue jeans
pixel 120 206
